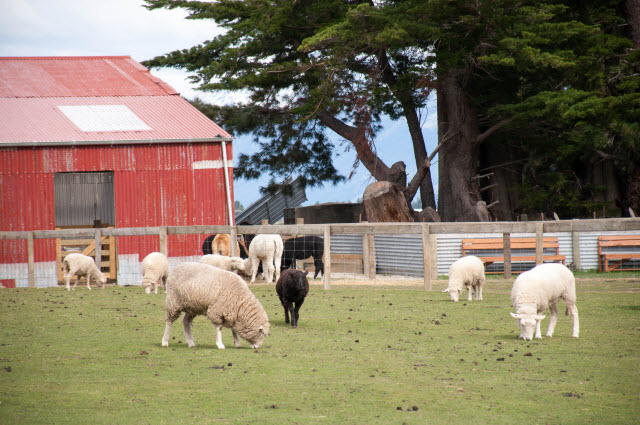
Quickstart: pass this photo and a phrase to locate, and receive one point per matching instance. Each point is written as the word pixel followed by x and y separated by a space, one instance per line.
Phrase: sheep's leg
pixel 254 268
pixel 157 283
pixel 573 310
pixel 286 312
pixel 319 266
pixel 297 312
pixel 276 266
pixel 538 334
pixel 480 284
pixel 67 280
pixel 294 318
pixel 186 323
pixel 236 341
pixel 88 277
pixel 76 282
pixel 219 337
pixel 469 289
pixel 554 318
pixel 170 318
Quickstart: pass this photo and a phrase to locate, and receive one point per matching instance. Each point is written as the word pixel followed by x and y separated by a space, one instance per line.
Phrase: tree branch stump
pixel 382 202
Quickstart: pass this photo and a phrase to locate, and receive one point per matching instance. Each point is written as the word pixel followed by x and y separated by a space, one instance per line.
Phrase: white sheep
pixel 268 249
pixel 81 265
pixel 223 262
pixel 467 271
pixel 223 297
pixel 155 268
pixel 538 289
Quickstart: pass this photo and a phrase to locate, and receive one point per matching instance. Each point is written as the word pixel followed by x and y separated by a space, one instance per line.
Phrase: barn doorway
pixel 85 200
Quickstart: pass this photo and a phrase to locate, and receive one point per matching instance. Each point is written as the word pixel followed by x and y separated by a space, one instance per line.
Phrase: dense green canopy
pixel 537 101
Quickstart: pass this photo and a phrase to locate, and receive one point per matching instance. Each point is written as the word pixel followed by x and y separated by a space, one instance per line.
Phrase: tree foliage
pixel 543 96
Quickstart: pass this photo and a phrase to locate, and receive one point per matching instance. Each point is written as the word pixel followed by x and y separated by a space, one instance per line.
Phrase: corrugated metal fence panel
pixel 399 255
pixel 271 207
pixel 346 244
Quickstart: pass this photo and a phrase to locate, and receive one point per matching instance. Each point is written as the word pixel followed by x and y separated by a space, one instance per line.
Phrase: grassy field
pixel 361 355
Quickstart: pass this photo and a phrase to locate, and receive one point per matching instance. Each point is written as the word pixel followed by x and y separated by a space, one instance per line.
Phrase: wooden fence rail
pixel 504 229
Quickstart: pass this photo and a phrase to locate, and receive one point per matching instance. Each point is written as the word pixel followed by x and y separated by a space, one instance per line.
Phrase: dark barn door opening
pixel 84 199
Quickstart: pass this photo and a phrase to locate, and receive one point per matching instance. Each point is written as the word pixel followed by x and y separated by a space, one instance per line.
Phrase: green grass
pixel 361 355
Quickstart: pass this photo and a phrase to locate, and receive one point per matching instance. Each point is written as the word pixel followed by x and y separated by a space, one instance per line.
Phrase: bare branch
pixel 481 138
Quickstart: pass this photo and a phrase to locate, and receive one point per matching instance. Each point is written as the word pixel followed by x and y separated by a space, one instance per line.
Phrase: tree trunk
pixel 458 191
pixel 499 161
pixel 382 202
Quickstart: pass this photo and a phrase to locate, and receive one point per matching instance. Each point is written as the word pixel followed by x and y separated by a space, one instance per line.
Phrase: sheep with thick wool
pixel 223 297
pixel 81 265
pixel 292 288
pixel 268 249
pixel 466 272
pixel 538 289
pixel 155 269
pixel 223 262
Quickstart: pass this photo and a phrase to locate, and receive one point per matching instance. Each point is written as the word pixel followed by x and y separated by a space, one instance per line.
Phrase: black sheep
pixel 302 248
pixel 292 288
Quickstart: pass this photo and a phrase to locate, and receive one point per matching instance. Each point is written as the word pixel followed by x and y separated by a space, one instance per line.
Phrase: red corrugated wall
pixel 154 185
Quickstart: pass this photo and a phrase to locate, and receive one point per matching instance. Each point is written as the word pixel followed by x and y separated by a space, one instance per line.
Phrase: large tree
pixel 301 82
pixel 527 92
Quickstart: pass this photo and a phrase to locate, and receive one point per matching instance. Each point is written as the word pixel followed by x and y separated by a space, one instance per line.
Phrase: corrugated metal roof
pixel 80 76
pixel 41 120
pixel 271 207
pixel 93 100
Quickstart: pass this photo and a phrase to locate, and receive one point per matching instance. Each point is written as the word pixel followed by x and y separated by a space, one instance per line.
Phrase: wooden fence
pixel 367 230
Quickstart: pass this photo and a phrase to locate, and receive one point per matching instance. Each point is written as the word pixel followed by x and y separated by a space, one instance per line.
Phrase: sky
pixel 125 28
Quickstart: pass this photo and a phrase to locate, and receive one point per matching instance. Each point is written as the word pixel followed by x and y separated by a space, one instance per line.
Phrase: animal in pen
pixel 292 288
pixel 221 296
pixel 539 289
pixel 231 264
pixel 266 249
pixel 155 269
pixel 301 248
pixel 81 265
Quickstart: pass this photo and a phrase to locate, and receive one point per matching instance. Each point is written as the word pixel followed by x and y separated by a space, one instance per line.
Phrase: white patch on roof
pixel 104 118
pixel 208 164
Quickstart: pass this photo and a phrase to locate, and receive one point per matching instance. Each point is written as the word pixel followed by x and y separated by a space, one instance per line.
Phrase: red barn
pixel 87 141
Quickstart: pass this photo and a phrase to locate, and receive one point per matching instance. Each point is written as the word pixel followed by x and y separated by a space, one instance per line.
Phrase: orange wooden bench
pixel 618 249
pixel 522 250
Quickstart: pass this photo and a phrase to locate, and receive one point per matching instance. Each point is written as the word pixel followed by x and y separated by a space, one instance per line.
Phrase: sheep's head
pixel 257 340
pixel 237 264
pixel 102 279
pixel 147 284
pixel 527 324
pixel 454 294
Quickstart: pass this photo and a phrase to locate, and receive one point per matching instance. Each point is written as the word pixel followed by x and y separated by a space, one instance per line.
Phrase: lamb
pixel 268 249
pixel 223 297
pixel 225 263
pixel 81 265
pixel 467 271
pixel 292 288
pixel 301 248
pixel 222 245
pixel 155 268
pixel 538 289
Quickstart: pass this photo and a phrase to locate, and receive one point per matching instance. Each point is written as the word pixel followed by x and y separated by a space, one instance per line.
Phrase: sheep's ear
pixel 306 272
pixel 261 327
pixel 539 316
pixel 446 290
pixel 516 316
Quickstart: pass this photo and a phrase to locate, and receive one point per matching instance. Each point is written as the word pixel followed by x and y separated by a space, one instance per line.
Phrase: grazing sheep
pixel 222 245
pixel 302 248
pixel 467 271
pixel 538 289
pixel 292 288
pixel 155 269
pixel 225 263
pixel 81 265
pixel 223 297
pixel 268 249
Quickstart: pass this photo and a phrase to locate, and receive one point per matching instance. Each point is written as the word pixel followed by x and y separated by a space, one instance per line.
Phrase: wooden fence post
pixel 98 250
pixel 31 261
pixel 233 236
pixel 327 257
pixel 426 256
pixel 539 242
pixel 575 246
pixel 506 246
pixel 164 246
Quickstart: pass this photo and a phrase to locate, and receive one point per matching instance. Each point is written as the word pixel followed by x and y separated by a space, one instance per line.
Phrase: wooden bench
pixel 618 250
pixel 522 250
